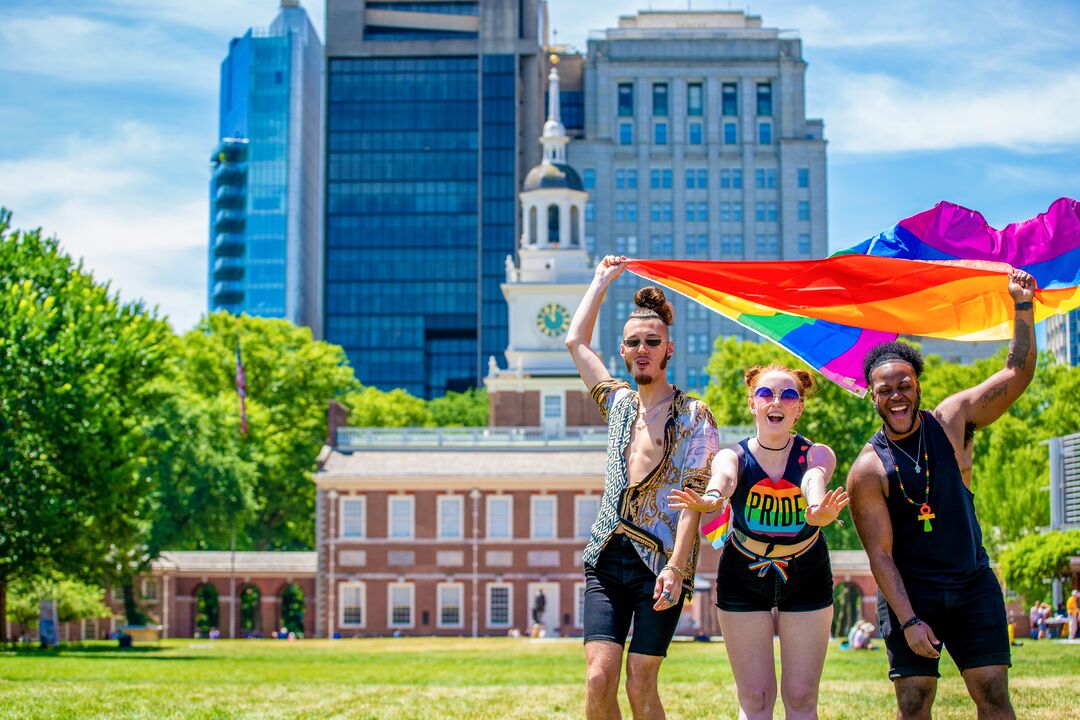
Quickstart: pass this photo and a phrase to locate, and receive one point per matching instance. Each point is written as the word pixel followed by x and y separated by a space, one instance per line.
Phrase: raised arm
pixel 578 337
pixel 987 401
pixel 871 515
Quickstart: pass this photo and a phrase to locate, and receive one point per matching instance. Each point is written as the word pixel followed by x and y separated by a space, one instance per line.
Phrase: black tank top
pixel 951 553
pixel 772 511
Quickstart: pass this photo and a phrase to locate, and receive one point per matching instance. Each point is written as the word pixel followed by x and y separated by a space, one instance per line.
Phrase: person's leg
pixel 603 663
pixel 989 688
pixel 641 689
pixel 804 640
pixel 748 638
pixel 914 697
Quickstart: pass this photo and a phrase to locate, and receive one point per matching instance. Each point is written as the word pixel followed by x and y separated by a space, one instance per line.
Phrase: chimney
pixel 337 415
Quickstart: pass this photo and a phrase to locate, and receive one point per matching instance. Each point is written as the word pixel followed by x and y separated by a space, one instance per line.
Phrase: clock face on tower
pixel 553 320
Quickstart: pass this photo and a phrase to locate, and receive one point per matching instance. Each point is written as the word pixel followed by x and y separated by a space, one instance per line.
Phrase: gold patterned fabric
pixel 690 442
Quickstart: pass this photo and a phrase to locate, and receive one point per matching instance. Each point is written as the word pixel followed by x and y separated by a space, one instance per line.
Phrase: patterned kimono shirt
pixel 690 442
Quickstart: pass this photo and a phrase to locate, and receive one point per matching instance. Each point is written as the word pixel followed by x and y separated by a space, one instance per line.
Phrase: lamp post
pixel 474 495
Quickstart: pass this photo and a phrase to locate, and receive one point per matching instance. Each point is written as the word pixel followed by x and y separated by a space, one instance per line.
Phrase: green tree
pixel 371 407
pixel 1030 563
pixel 290 379
pixel 465 409
pixel 75 600
pixel 75 367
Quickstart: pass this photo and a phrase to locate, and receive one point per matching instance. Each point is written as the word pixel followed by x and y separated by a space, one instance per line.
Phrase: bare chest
pixel 645 450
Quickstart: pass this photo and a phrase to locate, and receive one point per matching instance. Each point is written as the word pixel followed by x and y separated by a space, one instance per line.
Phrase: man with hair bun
pixel 911 500
pixel 642 553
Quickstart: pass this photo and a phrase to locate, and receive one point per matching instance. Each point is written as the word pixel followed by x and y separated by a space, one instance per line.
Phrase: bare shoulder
pixel 820 454
pixel 867 472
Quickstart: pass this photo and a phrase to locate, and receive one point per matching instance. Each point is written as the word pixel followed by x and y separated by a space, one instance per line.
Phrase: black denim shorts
pixel 618 593
pixel 808 587
pixel 969 620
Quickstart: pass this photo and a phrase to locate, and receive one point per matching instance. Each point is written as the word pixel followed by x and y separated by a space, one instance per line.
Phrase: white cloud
pixel 876 113
pixel 113 203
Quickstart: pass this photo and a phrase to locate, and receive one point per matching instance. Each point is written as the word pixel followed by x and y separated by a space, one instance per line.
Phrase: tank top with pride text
pixel 772 511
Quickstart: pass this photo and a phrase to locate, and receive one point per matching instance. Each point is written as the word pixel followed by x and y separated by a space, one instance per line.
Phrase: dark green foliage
pixel 292 609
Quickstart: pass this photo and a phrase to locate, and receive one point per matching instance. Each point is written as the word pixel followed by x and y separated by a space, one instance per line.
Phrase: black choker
pixel 766 447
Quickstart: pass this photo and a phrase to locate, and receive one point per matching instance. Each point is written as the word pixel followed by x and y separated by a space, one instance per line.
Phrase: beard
pixel 914 417
pixel 643 378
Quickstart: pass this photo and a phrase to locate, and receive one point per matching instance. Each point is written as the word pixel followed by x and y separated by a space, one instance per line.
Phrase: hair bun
pixel 653 298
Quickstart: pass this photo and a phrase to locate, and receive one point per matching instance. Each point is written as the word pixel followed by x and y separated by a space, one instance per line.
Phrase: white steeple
pixel 554 138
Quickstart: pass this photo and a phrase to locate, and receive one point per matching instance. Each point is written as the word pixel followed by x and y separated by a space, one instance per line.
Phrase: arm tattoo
pixel 993 394
pixel 1020 347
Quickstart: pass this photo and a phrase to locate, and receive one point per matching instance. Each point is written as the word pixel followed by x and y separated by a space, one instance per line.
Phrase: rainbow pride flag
pixel 942 273
pixel 716 530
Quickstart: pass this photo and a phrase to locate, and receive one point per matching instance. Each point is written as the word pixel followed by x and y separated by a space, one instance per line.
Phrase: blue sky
pixel 108 113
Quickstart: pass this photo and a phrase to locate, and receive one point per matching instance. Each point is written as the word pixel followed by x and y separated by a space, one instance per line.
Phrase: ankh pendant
pixel 926 516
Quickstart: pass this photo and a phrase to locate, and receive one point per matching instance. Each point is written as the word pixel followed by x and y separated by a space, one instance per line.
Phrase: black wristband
pixel 1024 305
pixel 913 621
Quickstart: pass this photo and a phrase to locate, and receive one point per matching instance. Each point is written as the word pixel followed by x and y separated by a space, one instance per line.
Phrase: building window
pixel 804 243
pixel 759 179
pixel 730 134
pixel 543 520
pixel 764 99
pixel 767 245
pixel 553 407
pixel 89 629
pixel 654 211
pixel 771 212
pixel 695 100
pixel 691 379
pixel 401 517
pixel 697 245
pixel 620 179
pixel 736 211
pixel 499 611
pixel 695 133
pixel 353 516
pixel 660 133
pixel 626 100
pixel 588 178
pixel 759 211
pixel 400 600
pixel 665 179
pixel 660 99
pixel 661 245
pixel 149 589
pixel 500 520
pixel 451 513
pixel 804 177
pixel 586 508
pixel 725 179
pixel 620 212
pixel 579 604
pixel 770 178
pixel 702 178
pixel 667 213
pixel 764 133
pixel 691 179
pixel 729 94
pixel 449 601
pixel 631 179
pixel 626 134
pixel 804 210
pixel 590 215
pixel 631 212
pixel 351 596
pixel 691 216
pixel 736 178
pixel 702 211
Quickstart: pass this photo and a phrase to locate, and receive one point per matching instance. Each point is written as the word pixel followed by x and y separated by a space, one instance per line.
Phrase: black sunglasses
pixel 788 396
pixel 651 342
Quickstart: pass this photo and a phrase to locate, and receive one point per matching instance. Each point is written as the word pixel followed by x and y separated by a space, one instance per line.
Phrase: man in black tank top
pixel 911 500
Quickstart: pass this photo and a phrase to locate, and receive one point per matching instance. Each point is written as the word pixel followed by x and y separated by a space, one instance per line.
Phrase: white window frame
pixel 442 500
pixel 582 533
pixel 509 605
pixel 390 500
pixel 509 500
pixel 390 587
pixel 362 587
pixel 533 502
pixel 439 604
pixel 579 604
pixel 342 502
pixel 146 582
pixel 92 622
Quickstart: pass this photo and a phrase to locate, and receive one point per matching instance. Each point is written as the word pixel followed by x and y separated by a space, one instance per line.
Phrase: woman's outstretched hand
pixel 828 509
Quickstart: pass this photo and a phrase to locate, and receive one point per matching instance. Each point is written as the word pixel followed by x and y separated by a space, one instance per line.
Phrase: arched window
pixel 553 223
pixel 207 609
pixel 575 233
pixel 532 225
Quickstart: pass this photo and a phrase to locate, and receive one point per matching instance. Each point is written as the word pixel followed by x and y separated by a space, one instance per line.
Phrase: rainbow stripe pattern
pixel 716 530
pixel 942 273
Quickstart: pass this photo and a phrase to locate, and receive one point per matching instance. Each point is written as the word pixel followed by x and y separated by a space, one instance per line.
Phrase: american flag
pixel 241 390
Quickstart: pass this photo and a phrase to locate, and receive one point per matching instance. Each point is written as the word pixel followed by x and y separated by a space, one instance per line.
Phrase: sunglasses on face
pixel 651 342
pixel 788 396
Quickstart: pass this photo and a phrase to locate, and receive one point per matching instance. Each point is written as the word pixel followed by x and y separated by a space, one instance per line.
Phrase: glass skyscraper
pixel 264 189
pixel 433 111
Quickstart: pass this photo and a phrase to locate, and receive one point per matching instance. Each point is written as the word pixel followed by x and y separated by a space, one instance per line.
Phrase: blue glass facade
pixel 412 265
pixel 263 213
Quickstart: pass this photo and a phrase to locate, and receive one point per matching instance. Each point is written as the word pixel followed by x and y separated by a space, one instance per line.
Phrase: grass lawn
pixel 451 678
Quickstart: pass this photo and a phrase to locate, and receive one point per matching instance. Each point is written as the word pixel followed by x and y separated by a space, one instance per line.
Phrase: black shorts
pixel 618 591
pixel 969 620
pixel 809 584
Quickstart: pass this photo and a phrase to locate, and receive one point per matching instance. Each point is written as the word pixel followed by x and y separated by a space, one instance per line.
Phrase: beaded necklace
pixel 926 514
